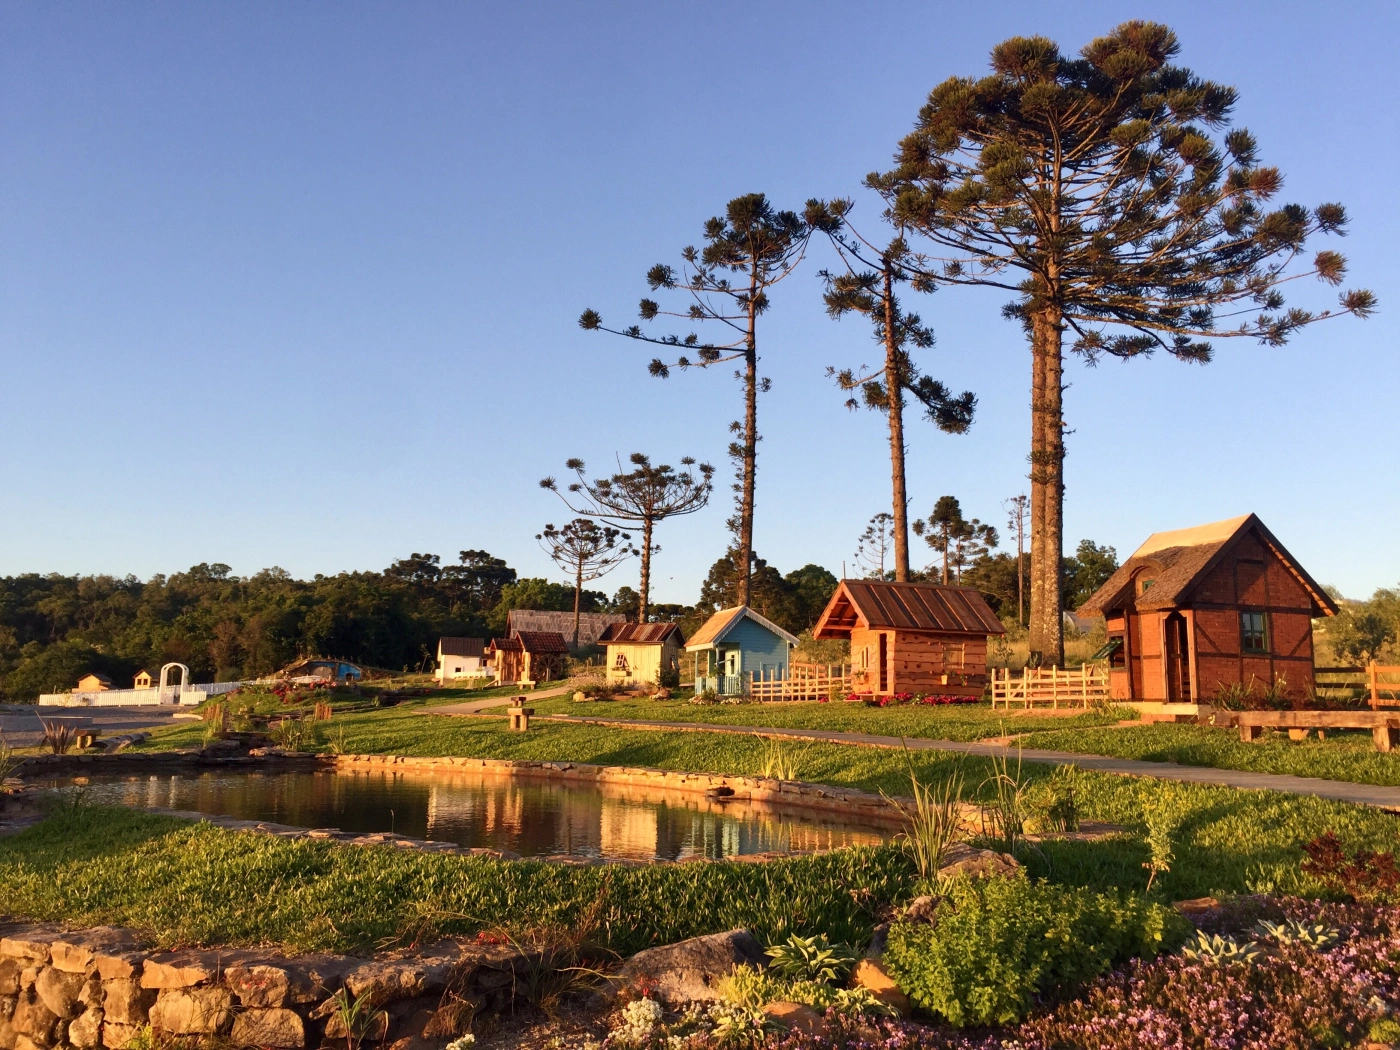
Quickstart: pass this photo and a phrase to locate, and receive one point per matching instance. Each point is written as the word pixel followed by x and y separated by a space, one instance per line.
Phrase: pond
pixel 533 817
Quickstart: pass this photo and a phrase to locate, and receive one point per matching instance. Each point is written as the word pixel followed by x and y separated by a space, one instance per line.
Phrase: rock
pixel 118 1036
pixel 125 1002
pixel 31 945
pixel 921 909
pixel 80 953
pixel 35 1020
pixel 184 970
pixel 302 980
pixel 962 859
pixel 9 977
pixel 580 696
pixel 1196 907
pixel 7 1036
pixel 7 1007
pixel 275 1027
pixel 86 1031
pixel 689 970
pixel 871 975
pixel 878 940
pixel 259 986
pixel 193 1011
pixel 120 966
pixel 59 991
pixel 796 1017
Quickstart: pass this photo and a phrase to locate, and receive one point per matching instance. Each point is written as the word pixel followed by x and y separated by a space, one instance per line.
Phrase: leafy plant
pixel 1317 935
pixel 58 737
pixel 336 741
pixel 811 958
pixel 1365 875
pixel 8 762
pixel 1062 798
pixel 1218 949
pixel 359 1019
pixel 779 761
pixel 1000 942
pixel 705 698
pixel 935 824
pixel 1159 813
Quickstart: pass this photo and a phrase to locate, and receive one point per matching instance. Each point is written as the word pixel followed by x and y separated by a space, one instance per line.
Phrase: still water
pixel 533 817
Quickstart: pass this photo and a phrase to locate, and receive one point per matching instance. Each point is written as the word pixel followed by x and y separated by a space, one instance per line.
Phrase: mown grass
pixel 953 722
pixel 193 883
pixel 1342 756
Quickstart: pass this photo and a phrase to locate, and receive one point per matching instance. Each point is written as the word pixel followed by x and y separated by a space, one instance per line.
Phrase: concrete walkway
pixel 21 725
pixel 1336 790
pixel 471 707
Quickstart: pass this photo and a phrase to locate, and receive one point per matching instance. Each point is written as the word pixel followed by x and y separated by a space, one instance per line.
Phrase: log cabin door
pixel 1178 664
pixel 884 663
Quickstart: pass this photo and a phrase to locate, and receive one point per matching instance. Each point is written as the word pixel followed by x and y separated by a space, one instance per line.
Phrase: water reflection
pixel 533 817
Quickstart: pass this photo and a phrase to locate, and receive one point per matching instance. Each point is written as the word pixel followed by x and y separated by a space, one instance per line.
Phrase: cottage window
pixel 1254 632
pixel 1145 585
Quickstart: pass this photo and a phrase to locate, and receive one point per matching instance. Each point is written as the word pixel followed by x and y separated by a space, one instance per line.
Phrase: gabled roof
pixel 927 607
pixel 1181 558
pixel 590 625
pixel 462 647
pixel 532 642
pixel 95 674
pixel 641 634
pixel 718 627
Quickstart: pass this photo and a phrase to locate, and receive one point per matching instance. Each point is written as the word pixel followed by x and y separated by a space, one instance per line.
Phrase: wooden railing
pixel 1074 687
pixel 1384 683
pixel 802 682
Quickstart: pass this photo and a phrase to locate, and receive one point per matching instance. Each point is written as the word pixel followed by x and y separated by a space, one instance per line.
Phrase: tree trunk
pixel 578 593
pixel 1047 642
pixel 945 555
pixel 749 452
pixel 894 391
pixel 644 599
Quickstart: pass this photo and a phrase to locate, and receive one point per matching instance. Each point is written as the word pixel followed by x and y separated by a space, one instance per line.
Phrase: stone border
pixel 99 987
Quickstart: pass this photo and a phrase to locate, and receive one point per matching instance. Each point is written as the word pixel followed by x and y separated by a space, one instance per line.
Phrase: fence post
pixel 1375 685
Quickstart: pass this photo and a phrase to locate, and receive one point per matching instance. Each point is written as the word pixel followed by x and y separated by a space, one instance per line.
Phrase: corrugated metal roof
pixel 533 641
pixel 641 633
pixel 881 605
pixel 462 647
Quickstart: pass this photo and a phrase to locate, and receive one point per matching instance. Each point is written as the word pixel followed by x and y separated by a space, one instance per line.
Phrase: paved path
pixel 20 723
pixel 1338 790
pixel 471 707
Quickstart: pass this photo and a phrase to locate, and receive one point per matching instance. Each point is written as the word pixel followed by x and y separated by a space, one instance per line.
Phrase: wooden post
pixel 1375 686
pixel 1190 615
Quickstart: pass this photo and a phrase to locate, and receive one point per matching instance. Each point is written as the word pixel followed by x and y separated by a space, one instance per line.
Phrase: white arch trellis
pixel 165 680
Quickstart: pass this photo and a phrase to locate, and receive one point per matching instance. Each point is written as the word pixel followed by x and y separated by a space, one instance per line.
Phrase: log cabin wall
pixel 915 662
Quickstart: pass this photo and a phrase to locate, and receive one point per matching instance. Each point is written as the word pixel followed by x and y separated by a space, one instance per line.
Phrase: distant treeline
pixel 54 629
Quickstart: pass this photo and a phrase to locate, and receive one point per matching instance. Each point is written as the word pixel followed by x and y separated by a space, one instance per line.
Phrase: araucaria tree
pixel 1109 193
pixel 639 498
pixel 961 541
pixel 868 286
pixel 586 551
pixel 758 246
pixel 874 545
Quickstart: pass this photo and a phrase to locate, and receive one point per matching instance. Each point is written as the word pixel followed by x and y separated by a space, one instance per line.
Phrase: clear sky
pixel 297 284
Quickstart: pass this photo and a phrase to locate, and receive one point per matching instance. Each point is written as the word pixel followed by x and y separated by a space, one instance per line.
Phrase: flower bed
pixel 901 699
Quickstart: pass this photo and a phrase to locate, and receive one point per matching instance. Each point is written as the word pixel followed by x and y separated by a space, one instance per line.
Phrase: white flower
pixel 462 1042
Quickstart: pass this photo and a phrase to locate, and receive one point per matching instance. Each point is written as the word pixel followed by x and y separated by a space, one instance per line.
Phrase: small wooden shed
pixel 640 653
pixel 93 682
pixel 143 680
pixel 1198 609
pixel 912 637
pixel 733 645
pixel 529 656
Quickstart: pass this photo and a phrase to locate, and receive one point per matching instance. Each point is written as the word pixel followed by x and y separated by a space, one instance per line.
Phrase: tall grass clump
pixel 933 826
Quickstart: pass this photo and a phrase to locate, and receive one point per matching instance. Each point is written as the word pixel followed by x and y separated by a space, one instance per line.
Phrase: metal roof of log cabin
pixel 462 647
pixel 932 608
pixel 641 634
pixel 717 626
pixel 1181 558
pixel 532 641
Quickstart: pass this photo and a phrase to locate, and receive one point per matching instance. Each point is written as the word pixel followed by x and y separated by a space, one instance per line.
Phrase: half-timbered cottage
pixel 529 656
pixel 912 637
pixel 1219 605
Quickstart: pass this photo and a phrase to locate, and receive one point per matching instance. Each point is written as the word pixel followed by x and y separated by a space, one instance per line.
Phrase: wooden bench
pixel 1384 725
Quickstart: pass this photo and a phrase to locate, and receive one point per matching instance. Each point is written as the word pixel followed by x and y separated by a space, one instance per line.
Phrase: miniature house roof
pixel 932 608
pixel 531 642
pixel 590 625
pixel 1181 558
pixel 462 647
pixel 99 677
pixel 719 626
pixel 641 634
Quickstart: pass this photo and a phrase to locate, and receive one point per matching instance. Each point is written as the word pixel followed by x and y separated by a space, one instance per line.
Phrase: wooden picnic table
pixel 1384 725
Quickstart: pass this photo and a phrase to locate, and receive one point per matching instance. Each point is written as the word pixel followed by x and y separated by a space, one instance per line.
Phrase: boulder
pixel 125 1002
pixel 689 971
pixel 9 976
pixel 920 909
pixel 34 1020
pixel 79 953
pixel 59 991
pixel 795 1017
pixel 185 970
pixel 962 859
pixel 193 1011
pixel 275 1027
pixel 7 1035
pixel 85 1032
pixel 872 975
pixel 1196 907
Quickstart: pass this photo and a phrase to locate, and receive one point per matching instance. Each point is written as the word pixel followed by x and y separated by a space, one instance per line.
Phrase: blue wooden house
pixel 733 646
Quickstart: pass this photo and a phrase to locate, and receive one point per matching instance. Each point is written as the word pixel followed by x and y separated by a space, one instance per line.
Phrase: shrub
pixel 1365 875
pixel 996 943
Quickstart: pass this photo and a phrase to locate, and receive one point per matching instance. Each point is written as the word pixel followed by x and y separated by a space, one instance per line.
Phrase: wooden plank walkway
pixel 1336 790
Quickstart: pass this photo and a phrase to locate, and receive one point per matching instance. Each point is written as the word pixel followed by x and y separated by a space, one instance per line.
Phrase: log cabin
pixel 529 656
pixel 1197 610
pixel 925 638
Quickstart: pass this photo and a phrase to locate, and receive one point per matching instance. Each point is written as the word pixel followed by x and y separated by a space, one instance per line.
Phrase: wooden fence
pixel 1378 683
pixel 1076 687
pixel 1384 683
pixel 803 682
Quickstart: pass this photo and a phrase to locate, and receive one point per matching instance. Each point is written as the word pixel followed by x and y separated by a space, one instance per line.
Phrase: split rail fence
pixel 1074 687
pixel 802 682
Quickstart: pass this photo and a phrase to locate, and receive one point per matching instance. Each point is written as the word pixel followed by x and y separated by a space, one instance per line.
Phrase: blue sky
pixel 298 284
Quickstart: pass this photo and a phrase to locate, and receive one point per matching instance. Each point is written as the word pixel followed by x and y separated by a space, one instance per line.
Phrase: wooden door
pixel 884 663
pixel 1178 659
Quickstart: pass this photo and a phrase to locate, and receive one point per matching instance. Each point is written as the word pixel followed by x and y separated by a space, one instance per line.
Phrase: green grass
pixel 193 883
pixel 1342 756
pixel 954 722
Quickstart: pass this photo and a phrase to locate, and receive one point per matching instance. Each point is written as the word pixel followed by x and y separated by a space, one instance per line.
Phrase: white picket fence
pixel 170 695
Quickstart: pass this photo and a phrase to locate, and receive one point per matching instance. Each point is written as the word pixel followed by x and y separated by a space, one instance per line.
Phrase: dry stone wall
pixel 100 987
